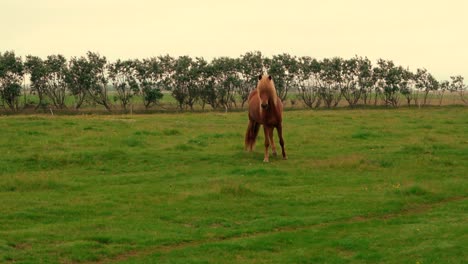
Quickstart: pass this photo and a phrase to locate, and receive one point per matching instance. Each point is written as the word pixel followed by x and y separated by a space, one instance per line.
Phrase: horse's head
pixel 266 91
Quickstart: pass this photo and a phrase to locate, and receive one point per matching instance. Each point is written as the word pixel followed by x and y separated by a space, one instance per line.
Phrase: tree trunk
pixel 425 97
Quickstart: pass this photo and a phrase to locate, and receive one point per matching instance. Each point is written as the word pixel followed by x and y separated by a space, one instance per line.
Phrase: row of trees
pixel 356 80
pixel 222 83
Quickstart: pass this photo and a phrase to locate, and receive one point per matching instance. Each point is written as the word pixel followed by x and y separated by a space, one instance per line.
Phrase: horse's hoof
pixel 285 158
pixel 266 160
pixel 275 154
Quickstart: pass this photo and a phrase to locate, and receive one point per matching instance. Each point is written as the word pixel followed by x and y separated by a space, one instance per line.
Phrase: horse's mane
pixel 266 85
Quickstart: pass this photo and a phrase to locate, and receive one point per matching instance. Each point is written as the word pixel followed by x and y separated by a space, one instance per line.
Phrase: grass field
pixel 372 186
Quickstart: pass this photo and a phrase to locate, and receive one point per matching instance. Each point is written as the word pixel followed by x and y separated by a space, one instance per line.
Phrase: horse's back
pixel 254 107
pixel 279 108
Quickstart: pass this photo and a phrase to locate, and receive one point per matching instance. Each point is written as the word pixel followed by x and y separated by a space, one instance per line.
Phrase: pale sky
pixel 412 33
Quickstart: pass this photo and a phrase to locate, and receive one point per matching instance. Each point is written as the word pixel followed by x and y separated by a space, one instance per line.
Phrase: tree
pixel 152 75
pixel 204 81
pixel 97 88
pixel 149 74
pixel 79 79
pixel 365 78
pixel 309 81
pixel 251 65
pixel 283 68
pixel 227 81
pixel 349 81
pixel 407 86
pixel 331 78
pixel 389 81
pixel 181 80
pixel 209 93
pixel 185 82
pixel 56 75
pixel 123 77
pixel 200 74
pixel 457 85
pixel 11 76
pixel 443 87
pixel 425 82
pixel 37 70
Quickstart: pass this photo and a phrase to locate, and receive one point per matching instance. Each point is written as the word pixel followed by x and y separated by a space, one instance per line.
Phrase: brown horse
pixel 265 108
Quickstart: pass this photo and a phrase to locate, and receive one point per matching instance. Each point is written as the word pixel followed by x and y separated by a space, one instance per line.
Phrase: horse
pixel 265 108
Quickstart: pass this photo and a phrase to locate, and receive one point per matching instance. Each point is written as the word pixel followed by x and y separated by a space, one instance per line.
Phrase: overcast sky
pixel 413 33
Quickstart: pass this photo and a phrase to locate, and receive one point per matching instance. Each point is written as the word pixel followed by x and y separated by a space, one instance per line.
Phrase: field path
pixel 422 208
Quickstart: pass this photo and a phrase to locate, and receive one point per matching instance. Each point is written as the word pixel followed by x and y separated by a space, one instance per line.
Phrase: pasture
pixel 363 185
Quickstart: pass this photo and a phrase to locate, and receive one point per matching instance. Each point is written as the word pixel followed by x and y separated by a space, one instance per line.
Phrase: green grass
pixel 369 185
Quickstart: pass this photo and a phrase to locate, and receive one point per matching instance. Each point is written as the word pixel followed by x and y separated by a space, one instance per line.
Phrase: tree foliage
pixel 56 79
pixel 37 70
pixel 425 82
pixel 151 75
pixel 98 79
pixel 11 76
pixel 222 83
pixel 80 79
pixel 250 66
pixel 457 85
pixel 123 77
pixel 284 68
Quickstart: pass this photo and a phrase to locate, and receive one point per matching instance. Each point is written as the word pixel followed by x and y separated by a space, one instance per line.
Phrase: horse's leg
pixel 248 136
pixel 280 135
pixel 266 130
pixel 256 128
pixel 272 142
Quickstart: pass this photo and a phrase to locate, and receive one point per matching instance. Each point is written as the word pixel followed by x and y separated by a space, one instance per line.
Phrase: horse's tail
pixel 251 135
